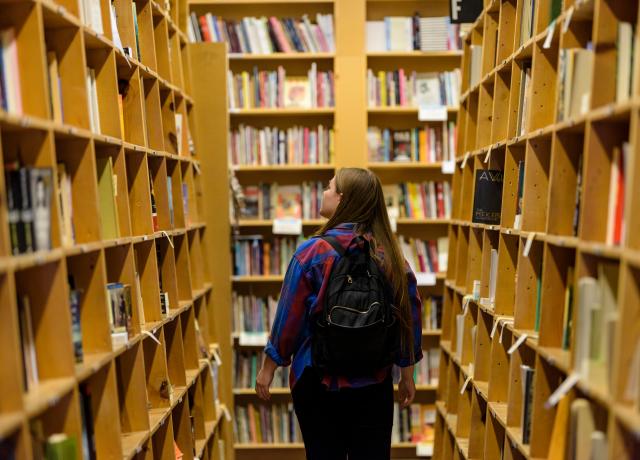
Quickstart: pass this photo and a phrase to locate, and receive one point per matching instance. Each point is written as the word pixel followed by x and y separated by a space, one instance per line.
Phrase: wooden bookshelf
pixel 132 417
pixel 548 255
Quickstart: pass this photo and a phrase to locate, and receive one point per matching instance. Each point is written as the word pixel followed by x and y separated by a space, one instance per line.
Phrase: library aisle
pixel 164 158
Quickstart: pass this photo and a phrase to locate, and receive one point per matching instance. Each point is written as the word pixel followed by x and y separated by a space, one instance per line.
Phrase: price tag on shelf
pixel 567 20
pixel 253 339
pixel 550 32
pixel 464 161
pixel 426 279
pixel 432 113
pixel 527 246
pixel 562 390
pixel 289 226
pixel 448 167
pixel 517 344
pixel 488 157
pixel 424 449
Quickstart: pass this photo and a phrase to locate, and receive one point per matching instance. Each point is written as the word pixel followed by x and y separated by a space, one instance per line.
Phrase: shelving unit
pixel 143 395
pixel 480 407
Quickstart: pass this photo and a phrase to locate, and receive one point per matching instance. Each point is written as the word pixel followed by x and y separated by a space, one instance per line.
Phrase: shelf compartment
pixel 506 30
pixel 157 376
pixel 167 270
pixel 477 426
pixel 453 246
pixel 132 391
pixel 491 241
pixel 547 379
pixel 162 441
pixel 87 272
pixel 175 59
pixel 176 208
pixel 566 172
pixel 146 264
pixel 175 354
pixel 474 258
pixel 11 346
pixel 161 40
pixel 514 156
pixel 145 33
pixel 100 397
pixel 507 260
pixel 544 78
pixel 158 176
pixel 501 94
pixel 494 439
pixel 523 356
pixel 131 92
pixel 103 62
pixel 182 429
pixel 190 343
pixel 195 258
pixel 120 263
pixel 485 113
pixel 536 181
pixel 529 287
pixel 168 112
pixel 183 266
pixel 139 193
pixel 153 113
pixel 462 254
pixel 499 374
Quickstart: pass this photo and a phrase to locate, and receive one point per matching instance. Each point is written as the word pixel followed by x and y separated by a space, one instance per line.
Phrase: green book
pixel 134 10
pixel 60 447
pixel 568 311
pixel 556 8
pixel 106 195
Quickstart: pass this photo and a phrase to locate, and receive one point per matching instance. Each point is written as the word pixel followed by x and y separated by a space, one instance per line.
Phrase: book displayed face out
pixel 487 200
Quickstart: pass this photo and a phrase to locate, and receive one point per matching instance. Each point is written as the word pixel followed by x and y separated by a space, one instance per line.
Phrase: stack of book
pixel 426 200
pixel 274 423
pixel 405 33
pixel 434 143
pixel 587 436
pixel 246 366
pixel 475 67
pixel 399 88
pixel 574 81
pixel 91 15
pixel 252 313
pixel 120 312
pixel 10 92
pixel 273 201
pixel 27 341
pixel 249 145
pixel 273 89
pixel 413 424
pixel 265 35
pixel 426 371
pixel 432 313
pixel 29 193
pixel 252 256
pixel 425 256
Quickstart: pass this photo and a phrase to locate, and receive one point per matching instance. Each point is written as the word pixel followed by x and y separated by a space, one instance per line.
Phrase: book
pixel 428 91
pixel 14 204
pixel 582 424
pixel 581 83
pixel 109 223
pixel 75 296
pixel 41 182
pixel 134 13
pixel 624 64
pixel 588 293
pixel 493 275
pixel 517 221
pixel 29 359
pixel 567 316
pixel 154 206
pixel 55 87
pixel 92 100
pixel 26 233
pixel 253 256
pixel 60 446
pixel 92 15
pixel 65 199
pixel 487 200
pixel 86 413
pixel 576 208
pixel 400 88
pixel 120 308
pixel 459 335
pixel 538 298
pixel 523 112
pixel 527 401
pixel 170 201
pixel 376 33
pixel 615 207
pixel 297 92
pixel 11 93
pixel 475 69
pixel 288 202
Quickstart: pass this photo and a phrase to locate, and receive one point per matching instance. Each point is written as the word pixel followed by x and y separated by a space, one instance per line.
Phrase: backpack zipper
pixel 351 309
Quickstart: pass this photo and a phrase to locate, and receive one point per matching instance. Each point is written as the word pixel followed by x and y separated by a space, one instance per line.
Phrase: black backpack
pixel 357 332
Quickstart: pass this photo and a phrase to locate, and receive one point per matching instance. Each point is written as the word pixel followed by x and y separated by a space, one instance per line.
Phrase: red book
pixel 284 44
pixel 306 146
pixel 204 26
pixel 401 87
pixel 619 212
pixel 433 255
pixel 440 199
pixel 320 38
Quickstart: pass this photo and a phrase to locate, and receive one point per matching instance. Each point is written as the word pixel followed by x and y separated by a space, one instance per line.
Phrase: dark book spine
pixel 13 207
pixel 76 331
pixel 26 212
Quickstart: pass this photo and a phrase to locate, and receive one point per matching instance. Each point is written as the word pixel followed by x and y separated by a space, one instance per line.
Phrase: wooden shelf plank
pixel 402 110
pixel 284 167
pixel 280 56
pixel 132 443
pixel 269 222
pixel 416 54
pixel 46 394
pixel 258 279
pixel 282 112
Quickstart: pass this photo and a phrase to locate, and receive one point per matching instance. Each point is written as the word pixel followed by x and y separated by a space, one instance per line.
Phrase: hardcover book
pixel 487 200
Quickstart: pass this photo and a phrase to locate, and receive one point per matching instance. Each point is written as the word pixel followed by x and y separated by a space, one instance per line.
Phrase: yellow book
pixel 416 201
pixel 54 86
pixel 383 89
pixel 121 113
pixel 422 148
pixel 107 194
pixel 246 94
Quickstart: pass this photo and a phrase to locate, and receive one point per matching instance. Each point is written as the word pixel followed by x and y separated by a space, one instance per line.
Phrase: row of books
pixel 433 143
pixel 426 371
pixel 527 21
pixel 250 145
pixel 246 366
pixel 475 65
pixel 252 313
pixel 274 201
pixel 575 71
pixel 400 88
pixel 29 193
pixel 426 200
pixel 432 313
pixel 274 89
pixel 414 423
pixel 425 256
pixel 253 256
pixel 264 35
pixel 413 33
pixel 275 423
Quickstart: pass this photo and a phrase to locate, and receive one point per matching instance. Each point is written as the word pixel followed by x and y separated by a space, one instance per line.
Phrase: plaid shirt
pixel 301 300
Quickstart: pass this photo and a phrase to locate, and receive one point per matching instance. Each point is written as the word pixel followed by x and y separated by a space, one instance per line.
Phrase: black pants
pixel 353 422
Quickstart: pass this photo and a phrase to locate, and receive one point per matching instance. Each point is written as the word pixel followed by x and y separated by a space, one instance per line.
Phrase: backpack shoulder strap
pixel 333 241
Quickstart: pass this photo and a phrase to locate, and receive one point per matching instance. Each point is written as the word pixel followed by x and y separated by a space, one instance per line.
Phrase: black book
pixel 26 212
pixel 487 199
pixel 76 330
pixel 527 402
pixel 41 182
pixel 12 180
pixel 88 435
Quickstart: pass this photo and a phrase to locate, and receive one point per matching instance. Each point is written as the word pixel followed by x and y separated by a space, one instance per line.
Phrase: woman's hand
pixel 406 387
pixel 264 378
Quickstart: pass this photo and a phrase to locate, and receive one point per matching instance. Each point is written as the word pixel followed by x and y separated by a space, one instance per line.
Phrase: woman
pixel 341 415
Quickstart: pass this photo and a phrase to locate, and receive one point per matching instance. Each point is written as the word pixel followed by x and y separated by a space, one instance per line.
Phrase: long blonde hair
pixel 363 203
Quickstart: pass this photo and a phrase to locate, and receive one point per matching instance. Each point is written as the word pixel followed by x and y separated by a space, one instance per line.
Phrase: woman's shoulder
pixel 313 251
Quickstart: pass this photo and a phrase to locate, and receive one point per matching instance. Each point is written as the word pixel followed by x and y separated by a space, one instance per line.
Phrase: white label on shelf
pixel 488 157
pixel 464 161
pixel 495 326
pixel 562 390
pixel 287 226
pixel 517 344
pixel 426 279
pixel 253 339
pixel 567 20
pixel 227 415
pixel 149 334
pixel 527 246
pixel 550 32
pixel 465 384
pixel 448 167
pixel 432 113
pixel 465 303
pixel 216 356
pixel 424 449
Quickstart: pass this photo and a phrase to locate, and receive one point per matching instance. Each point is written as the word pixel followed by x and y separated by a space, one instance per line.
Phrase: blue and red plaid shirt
pixel 301 300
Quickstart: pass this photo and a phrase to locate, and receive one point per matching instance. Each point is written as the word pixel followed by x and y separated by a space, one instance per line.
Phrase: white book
pixel 459 334
pixel 179 134
pixel 493 276
pixel 94 15
pixel 10 73
pixel 308 34
pixel 375 36
pixel 263 35
pixel 443 253
pixel 115 34
pixel 400 33
pixel 588 293
pixel 428 90
pixel 614 176
pixel 625 57
pixel 325 21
